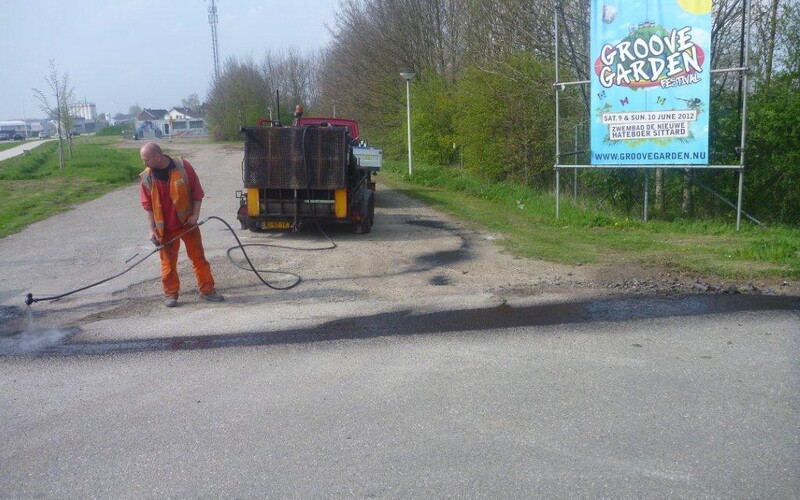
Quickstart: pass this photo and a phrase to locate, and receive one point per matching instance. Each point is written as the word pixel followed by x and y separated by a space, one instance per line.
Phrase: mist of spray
pixel 31 339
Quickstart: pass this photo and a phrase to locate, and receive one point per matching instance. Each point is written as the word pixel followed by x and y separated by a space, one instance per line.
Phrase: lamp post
pixel 407 76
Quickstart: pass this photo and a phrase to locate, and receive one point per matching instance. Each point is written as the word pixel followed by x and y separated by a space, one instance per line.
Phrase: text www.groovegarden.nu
pixel 650 156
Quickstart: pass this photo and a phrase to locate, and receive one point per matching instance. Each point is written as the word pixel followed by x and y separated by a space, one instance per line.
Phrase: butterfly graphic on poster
pixel 693 103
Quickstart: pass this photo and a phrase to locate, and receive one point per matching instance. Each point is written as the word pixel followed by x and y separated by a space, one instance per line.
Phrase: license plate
pixel 271 224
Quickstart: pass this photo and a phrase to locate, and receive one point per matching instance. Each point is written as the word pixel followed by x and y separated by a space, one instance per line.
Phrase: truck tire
pixel 364 226
pixel 254 225
pixel 371 210
pixel 368 211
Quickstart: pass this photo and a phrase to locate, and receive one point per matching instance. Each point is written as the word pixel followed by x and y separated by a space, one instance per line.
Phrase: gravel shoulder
pixel 415 259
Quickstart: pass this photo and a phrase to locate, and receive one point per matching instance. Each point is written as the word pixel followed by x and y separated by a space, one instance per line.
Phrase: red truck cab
pixel 351 125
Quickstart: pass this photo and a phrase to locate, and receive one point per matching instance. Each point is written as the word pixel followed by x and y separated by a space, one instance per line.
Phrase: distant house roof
pixel 151 114
pixel 188 113
pixel 121 117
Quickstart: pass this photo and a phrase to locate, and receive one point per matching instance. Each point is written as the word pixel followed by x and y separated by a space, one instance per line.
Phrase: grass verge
pixel 33 187
pixel 525 218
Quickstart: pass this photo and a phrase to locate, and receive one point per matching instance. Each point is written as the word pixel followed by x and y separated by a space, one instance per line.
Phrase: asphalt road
pixel 434 367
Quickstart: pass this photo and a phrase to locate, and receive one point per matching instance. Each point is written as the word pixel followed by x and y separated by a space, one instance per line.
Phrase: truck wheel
pixel 365 225
pixel 371 211
pixel 368 212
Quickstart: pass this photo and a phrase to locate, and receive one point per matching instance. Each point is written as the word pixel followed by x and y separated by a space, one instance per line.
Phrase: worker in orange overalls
pixel 171 195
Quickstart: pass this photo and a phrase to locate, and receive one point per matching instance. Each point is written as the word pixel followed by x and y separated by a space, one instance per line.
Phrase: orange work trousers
pixel 169 262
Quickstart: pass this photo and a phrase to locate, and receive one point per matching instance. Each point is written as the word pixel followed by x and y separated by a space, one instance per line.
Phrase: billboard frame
pixel 560 86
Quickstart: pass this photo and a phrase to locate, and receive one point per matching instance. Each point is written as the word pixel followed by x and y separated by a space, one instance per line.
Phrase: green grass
pixel 33 187
pixel 525 218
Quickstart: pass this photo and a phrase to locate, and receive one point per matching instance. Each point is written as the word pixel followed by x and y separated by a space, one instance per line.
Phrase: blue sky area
pixel 151 53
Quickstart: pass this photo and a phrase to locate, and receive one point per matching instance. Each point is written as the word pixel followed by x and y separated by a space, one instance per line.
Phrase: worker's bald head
pixel 151 148
pixel 152 156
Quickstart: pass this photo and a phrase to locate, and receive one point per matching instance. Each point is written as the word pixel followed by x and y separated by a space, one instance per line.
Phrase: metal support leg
pixel 575 186
pixel 739 201
pixel 646 190
pixel 558 192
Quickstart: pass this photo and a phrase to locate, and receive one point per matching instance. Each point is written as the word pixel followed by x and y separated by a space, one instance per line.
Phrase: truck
pixel 316 171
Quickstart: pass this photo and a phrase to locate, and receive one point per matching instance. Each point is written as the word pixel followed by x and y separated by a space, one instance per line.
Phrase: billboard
pixel 650 82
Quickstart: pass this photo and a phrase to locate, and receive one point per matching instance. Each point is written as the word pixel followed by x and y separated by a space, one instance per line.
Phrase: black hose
pixel 252 267
pixel 30 299
pixel 307 174
pixel 272 245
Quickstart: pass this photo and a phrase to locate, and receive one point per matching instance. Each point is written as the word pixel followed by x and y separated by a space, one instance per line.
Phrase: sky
pixel 150 53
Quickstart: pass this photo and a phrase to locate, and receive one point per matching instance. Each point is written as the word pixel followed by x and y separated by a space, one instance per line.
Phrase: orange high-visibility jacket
pixel 179 192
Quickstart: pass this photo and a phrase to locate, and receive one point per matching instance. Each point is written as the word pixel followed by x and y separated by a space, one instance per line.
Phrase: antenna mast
pixel 212 20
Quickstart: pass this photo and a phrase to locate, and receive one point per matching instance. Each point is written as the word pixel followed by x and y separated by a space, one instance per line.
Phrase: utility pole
pixel 212 20
pixel 408 76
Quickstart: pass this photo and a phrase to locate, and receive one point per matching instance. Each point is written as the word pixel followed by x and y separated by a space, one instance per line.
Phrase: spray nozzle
pixel 29 300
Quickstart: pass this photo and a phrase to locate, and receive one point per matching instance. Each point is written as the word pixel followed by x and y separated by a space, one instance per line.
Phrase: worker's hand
pixel 154 237
pixel 192 220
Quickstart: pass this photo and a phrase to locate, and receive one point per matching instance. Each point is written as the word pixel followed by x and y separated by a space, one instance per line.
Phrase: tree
pixel 294 74
pixel 504 119
pixel 239 97
pixel 66 119
pixel 192 102
pixel 63 94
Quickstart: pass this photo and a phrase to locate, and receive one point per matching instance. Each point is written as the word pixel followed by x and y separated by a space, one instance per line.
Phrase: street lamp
pixel 407 76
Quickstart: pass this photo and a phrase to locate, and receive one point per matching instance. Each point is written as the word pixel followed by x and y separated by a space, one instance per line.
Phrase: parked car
pixel 19 137
pixel 44 135
pixel 4 136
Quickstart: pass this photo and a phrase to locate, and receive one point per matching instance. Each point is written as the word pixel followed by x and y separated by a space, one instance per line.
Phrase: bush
pixel 116 130
pixel 504 119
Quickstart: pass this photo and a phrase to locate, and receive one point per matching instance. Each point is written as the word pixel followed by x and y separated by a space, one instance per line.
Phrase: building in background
pixel 122 119
pixel 151 123
pixel 84 118
pixel 185 122
pixel 177 122
pixel 86 110
pixel 11 128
